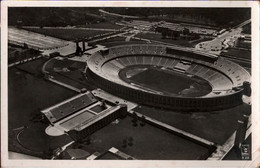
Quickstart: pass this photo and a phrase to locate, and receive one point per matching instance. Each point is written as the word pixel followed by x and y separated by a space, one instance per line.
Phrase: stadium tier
pixel 81 115
pixel 68 107
pixel 171 77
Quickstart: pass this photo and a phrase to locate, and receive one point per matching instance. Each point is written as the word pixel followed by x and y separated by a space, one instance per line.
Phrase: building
pixel 81 115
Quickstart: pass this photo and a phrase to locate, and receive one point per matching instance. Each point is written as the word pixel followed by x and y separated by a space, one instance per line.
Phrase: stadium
pixel 94 83
pixel 169 77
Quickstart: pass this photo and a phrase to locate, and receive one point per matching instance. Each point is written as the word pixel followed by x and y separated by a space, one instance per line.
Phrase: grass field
pixel 114 39
pixel 72 76
pixel 35 138
pixel 245 45
pixel 120 41
pixel 67 34
pixel 148 142
pixel 157 79
pixel 158 37
pixel 103 25
pixel 169 82
pixel 215 126
pixel 33 67
pixel 21 54
pixel 238 53
pixel 28 94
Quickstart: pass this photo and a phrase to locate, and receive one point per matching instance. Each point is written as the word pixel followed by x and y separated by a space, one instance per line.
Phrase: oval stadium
pixel 168 77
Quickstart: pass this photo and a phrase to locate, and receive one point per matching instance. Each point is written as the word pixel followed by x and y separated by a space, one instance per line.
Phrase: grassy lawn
pixel 215 126
pixel 67 34
pixel 72 77
pixel 21 54
pixel 155 79
pixel 158 37
pixel 242 44
pixel 148 142
pixel 33 67
pixel 238 53
pixel 120 41
pixel 28 94
pixel 103 25
pixel 114 39
pixel 116 43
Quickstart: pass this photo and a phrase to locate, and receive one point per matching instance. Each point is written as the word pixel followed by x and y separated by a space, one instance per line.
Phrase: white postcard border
pixel 5 162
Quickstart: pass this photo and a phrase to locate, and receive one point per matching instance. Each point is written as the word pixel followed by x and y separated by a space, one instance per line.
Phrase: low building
pixel 81 115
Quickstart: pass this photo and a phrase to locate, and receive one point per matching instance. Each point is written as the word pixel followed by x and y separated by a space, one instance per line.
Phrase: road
pixel 222 41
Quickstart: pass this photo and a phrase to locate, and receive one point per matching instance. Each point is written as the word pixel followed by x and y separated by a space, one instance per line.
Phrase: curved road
pixel 222 41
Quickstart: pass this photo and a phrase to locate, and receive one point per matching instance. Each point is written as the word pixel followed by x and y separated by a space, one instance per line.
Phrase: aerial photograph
pixel 128 83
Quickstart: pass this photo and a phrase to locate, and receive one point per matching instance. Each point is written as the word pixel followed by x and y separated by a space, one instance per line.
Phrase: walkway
pixel 24 61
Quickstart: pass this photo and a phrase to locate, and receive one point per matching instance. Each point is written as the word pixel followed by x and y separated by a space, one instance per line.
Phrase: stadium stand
pixel 81 115
pixel 68 107
pixel 222 75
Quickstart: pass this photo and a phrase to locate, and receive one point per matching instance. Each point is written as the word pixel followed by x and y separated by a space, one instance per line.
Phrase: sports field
pixel 169 82
pixel 215 126
pixel 143 142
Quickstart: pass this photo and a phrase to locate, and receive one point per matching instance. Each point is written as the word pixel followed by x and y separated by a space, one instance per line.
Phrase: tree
pixel 164 33
pixel 185 31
